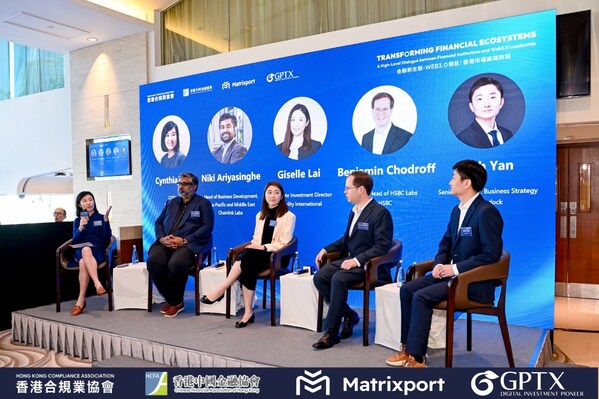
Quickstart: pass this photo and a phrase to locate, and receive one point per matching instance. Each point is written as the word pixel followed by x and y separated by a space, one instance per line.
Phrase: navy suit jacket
pixel 234 153
pixel 196 224
pixel 477 243
pixel 396 139
pixel 372 235
pixel 475 136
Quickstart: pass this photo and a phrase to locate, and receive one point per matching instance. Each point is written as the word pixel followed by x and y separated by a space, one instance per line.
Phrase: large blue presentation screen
pixel 308 120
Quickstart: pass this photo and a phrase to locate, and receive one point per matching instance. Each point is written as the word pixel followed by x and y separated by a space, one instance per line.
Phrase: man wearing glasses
pixel 60 215
pixel 385 138
pixel 183 229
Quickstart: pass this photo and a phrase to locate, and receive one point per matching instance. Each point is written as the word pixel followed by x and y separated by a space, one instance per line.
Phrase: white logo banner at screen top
pixel 312 382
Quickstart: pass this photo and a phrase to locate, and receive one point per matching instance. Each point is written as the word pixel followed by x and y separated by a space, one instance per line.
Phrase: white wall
pixel 36 136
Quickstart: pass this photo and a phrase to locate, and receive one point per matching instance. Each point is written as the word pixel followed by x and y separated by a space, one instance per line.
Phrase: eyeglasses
pixel 184 183
pixel 58 213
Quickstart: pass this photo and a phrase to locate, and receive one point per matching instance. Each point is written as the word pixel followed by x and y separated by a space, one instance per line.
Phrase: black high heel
pixel 207 301
pixel 241 324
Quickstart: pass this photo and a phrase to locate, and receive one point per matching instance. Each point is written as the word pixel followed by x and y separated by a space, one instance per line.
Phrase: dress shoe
pixel 172 311
pixel 329 339
pixel 414 364
pixel 165 308
pixel 400 358
pixel 348 325
pixel 77 310
pixel 241 324
pixel 207 301
pixel 100 291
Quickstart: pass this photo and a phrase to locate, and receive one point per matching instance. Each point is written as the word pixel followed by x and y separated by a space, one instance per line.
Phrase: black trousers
pixel 253 261
pixel 169 269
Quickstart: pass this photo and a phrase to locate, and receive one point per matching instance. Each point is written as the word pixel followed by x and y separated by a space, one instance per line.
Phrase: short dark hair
pixel 469 169
pixel 382 95
pixel 228 116
pixel 167 128
pixel 363 179
pixel 483 82
pixel 194 178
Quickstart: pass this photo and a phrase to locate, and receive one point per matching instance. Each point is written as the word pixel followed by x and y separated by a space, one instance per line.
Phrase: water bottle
pixel 134 256
pixel 215 260
pixel 296 263
pixel 401 277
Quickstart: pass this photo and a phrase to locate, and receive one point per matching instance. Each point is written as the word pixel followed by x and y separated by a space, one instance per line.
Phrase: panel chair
pixel 369 284
pixel 458 301
pixel 65 263
pixel 271 274
pixel 204 256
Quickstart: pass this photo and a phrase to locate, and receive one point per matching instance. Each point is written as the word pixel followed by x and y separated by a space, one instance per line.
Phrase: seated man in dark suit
pixel 369 233
pixel 486 100
pixel 183 229
pixel 473 238
pixel 385 138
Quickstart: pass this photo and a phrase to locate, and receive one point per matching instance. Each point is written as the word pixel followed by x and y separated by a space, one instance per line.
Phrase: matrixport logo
pixel 156 383
pixel 482 383
pixel 279 76
pixel 312 382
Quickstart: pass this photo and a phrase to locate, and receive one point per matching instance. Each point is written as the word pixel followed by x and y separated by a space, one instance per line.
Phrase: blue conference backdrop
pixel 429 76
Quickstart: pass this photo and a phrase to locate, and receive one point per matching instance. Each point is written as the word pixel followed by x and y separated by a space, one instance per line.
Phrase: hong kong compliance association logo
pixel 483 380
pixel 156 383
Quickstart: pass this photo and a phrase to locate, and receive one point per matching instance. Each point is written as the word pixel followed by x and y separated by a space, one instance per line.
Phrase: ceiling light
pixel 92 39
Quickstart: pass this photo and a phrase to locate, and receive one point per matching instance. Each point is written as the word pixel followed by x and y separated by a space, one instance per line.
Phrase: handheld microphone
pixel 302 271
pixel 84 214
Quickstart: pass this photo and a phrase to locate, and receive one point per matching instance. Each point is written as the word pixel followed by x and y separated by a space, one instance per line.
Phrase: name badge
pixel 97 223
pixel 362 226
pixel 466 232
pixel 195 214
pixel 272 223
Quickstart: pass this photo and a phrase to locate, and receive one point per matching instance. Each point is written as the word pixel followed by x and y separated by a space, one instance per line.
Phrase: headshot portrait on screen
pixel 490 110
pixel 390 123
pixel 171 141
pixel 300 128
pixel 229 135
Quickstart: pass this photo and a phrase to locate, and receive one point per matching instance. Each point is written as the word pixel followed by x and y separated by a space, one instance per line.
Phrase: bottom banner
pixel 279 383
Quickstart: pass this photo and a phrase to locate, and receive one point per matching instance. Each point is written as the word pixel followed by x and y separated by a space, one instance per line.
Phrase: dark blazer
pixel 303 154
pixel 196 225
pixel 475 136
pixel 234 154
pixel 477 243
pixel 372 235
pixel 396 139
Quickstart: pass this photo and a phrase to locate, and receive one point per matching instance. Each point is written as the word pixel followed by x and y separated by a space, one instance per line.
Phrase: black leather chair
pixel 458 301
pixel 272 274
pixel 65 263
pixel 371 281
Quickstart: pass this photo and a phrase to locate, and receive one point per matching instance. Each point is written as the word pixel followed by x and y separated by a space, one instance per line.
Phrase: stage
pixel 211 340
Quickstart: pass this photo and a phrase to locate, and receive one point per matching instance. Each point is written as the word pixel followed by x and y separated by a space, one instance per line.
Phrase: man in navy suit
pixel 231 151
pixel 486 100
pixel 369 233
pixel 473 238
pixel 385 138
pixel 183 229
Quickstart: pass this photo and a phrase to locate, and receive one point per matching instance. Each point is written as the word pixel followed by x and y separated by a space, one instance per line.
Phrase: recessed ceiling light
pixel 92 39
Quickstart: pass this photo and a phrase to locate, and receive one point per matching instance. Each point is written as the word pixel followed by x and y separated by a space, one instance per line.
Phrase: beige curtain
pixel 199 28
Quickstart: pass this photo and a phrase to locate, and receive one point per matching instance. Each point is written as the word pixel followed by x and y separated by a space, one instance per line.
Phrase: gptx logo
pixel 278 76
pixel 312 382
pixel 483 383
pixel 156 383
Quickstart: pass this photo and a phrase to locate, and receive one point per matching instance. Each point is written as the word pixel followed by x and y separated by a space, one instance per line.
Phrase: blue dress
pixel 173 161
pixel 97 232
